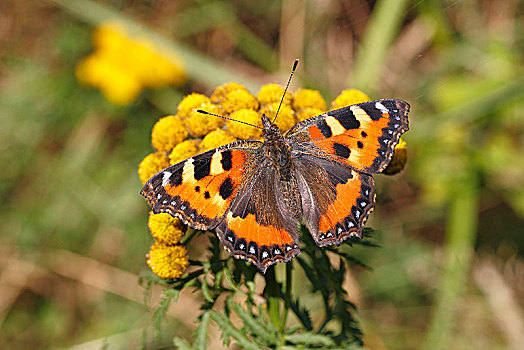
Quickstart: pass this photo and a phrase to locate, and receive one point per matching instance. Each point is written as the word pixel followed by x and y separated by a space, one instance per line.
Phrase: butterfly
pixel 256 194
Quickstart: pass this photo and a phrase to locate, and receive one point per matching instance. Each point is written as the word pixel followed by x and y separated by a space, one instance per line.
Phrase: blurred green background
pixel 449 272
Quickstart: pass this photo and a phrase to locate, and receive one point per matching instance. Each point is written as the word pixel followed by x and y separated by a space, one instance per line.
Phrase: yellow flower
pixel 166 229
pixel 167 261
pixel 168 132
pixel 243 131
pixel 200 124
pixel 121 66
pixel 307 98
pixel 308 112
pixel 286 115
pixel 348 98
pixel 239 99
pixel 216 139
pixel 190 103
pixel 272 93
pixel 220 92
pixel 185 149
pixel 152 164
pixel 400 157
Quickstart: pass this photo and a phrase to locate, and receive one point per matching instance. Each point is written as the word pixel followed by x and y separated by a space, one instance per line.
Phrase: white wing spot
pixel 264 254
pixel 229 238
pixel 390 132
pixel 165 178
pixel 277 251
pixel 158 196
pixel 288 248
pixel 241 246
pixel 173 203
pixel 357 213
pixel 252 250
pixel 395 126
pixel 183 207
pixel 351 224
pixel 363 204
pixel 329 234
pixel 339 230
pixel 381 107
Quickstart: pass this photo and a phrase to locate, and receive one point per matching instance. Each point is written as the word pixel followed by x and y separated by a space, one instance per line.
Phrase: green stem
pixel 272 295
pixel 287 301
pixel 460 238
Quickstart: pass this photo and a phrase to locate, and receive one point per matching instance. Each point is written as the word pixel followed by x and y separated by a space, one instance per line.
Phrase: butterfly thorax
pixel 277 149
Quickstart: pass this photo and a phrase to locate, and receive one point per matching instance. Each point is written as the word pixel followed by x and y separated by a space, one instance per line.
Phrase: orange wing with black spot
pixel 362 136
pixel 229 189
pixel 199 190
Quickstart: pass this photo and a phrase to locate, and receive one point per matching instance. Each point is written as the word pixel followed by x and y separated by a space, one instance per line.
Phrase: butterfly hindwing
pixel 336 199
pixel 258 226
pixel 362 136
pixel 200 189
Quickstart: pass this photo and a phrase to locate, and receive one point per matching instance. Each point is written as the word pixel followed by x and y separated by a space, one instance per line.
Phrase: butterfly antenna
pixel 287 86
pixel 226 118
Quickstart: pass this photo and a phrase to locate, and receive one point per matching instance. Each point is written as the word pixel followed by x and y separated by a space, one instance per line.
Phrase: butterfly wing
pixel 336 200
pixel 362 136
pixel 259 226
pixel 229 189
pixel 199 190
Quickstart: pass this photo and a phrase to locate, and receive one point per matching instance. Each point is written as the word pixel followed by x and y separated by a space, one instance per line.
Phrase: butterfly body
pixel 256 194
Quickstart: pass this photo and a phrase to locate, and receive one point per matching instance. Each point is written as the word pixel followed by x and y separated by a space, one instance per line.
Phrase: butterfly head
pixel 270 130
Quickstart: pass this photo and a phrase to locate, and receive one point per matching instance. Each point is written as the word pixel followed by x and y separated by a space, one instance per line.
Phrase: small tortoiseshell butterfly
pixel 255 194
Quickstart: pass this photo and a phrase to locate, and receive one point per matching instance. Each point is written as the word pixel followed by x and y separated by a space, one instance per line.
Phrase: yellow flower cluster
pixel 167 258
pixel 121 65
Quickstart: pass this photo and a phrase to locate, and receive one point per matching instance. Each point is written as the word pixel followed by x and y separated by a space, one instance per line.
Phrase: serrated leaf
pixel 170 295
pixel 310 339
pixel 201 333
pixel 255 325
pixel 205 290
pixel 302 314
pixel 182 344
pixel 229 330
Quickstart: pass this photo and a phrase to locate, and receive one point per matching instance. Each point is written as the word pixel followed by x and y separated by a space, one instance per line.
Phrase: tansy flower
pixel 239 99
pixel 166 229
pixel 152 164
pixel 286 115
pixel 199 124
pixel 185 149
pixel 216 139
pixel 167 132
pixel 348 98
pixel 243 131
pixel 307 98
pixel 400 157
pixel 220 92
pixel 167 261
pixel 308 112
pixel 190 103
pixel 272 93
pixel 121 66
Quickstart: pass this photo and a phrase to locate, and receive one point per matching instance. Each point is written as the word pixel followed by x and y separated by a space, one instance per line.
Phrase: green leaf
pixel 182 344
pixel 310 339
pixel 228 330
pixel 205 290
pixel 260 329
pixel 201 333
pixel 170 295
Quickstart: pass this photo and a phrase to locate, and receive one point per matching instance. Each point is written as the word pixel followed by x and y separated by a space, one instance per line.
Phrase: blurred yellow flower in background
pixel 121 65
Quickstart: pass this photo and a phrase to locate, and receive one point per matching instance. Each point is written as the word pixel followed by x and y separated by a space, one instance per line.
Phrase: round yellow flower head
pixel 272 93
pixel 152 164
pixel 348 98
pixel 166 229
pixel 216 139
pixel 168 132
pixel 286 115
pixel 200 124
pixel 167 261
pixel 220 92
pixel 110 36
pixel 185 149
pixel 307 98
pixel 190 103
pixel 243 131
pixel 400 157
pixel 308 112
pixel 239 99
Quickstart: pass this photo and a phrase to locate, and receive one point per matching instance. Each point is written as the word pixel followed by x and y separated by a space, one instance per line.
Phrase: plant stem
pixel 460 237
pixel 287 301
pixel 272 295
